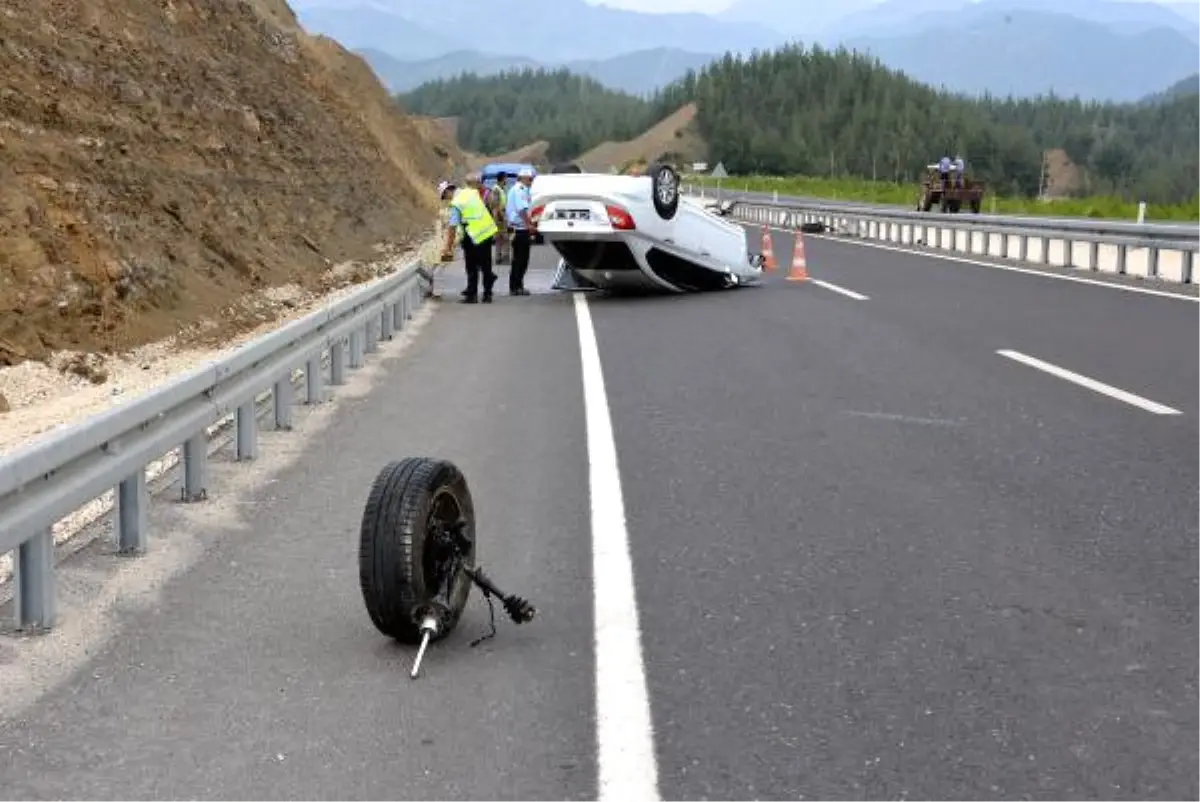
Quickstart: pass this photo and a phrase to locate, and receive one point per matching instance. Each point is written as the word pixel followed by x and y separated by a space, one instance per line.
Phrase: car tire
pixel 396 546
pixel 664 189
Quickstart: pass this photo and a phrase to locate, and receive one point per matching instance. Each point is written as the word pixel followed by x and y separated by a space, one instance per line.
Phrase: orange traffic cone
pixel 769 262
pixel 799 270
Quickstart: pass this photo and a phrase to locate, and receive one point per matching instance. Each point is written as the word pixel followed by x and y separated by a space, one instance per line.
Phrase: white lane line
pixel 1013 268
pixel 849 293
pixel 1091 384
pixel 627 764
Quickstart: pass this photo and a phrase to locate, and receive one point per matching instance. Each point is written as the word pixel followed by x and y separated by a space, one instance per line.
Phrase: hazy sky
pixel 704 6
pixel 667 6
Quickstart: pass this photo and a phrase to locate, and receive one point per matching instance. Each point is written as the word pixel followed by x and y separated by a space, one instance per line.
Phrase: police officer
pixel 468 211
pixel 517 215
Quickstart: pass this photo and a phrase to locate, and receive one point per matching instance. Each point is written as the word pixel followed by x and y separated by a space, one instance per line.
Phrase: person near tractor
pixel 470 213
pixel 960 169
pixel 944 166
pixel 497 203
pixel 517 214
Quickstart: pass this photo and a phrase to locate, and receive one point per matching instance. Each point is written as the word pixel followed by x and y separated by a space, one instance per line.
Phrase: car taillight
pixel 620 219
pixel 535 214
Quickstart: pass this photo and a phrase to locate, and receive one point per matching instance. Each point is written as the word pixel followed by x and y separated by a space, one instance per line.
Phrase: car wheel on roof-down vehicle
pixel 664 184
pixel 416 544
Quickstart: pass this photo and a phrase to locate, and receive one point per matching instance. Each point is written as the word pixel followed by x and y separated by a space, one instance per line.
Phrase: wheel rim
pixel 442 561
pixel 666 186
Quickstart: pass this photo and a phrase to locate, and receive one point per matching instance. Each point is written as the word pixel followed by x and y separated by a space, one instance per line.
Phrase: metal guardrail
pixel 56 474
pixel 1111 246
pixel 778 199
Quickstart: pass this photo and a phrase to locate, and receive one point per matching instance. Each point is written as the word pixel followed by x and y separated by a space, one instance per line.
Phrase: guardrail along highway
pixel 918 527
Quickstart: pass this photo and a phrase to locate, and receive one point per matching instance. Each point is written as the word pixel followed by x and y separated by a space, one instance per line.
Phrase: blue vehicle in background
pixel 487 176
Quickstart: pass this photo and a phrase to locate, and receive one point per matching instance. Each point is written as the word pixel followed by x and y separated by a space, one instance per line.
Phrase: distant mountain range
pixel 638 73
pixel 980 50
pixel 548 31
pixel 1188 86
pixel 1098 49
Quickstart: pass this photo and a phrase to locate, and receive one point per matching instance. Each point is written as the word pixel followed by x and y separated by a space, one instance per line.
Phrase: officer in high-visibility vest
pixel 468 212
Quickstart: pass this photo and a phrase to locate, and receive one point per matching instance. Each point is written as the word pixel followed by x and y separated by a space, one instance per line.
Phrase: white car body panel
pixel 694 250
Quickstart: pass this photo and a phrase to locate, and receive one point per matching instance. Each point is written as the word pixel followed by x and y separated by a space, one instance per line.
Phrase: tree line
pixel 503 112
pixel 818 112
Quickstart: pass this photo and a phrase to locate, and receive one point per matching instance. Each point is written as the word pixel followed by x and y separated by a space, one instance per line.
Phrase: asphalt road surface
pixel 935 538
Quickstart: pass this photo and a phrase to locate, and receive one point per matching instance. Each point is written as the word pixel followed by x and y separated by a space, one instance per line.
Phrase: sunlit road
pixel 934 538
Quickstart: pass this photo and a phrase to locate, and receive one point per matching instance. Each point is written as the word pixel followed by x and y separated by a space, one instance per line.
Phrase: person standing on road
pixel 497 201
pixel 517 217
pixel 944 166
pixel 468 211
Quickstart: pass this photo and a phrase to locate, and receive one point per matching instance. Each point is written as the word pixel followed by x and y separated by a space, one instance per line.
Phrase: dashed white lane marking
pixel 627 766
pixel 980 263
pixel 1091 384
pixel 848 293
pixel 1012 268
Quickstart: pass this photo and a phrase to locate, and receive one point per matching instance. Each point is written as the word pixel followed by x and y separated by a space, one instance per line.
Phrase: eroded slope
pixel 162 159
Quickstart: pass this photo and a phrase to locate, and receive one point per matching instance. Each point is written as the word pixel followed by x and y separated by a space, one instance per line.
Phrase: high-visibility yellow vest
pixel 474 214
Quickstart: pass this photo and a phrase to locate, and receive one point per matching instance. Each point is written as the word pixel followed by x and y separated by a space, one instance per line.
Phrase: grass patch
pixel 905 196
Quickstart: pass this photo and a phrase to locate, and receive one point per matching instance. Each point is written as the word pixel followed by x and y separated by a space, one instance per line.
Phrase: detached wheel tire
pixel 403 564
pixel 664 189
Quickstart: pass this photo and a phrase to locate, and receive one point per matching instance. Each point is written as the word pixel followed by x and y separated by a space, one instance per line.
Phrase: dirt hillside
pixel 162 159
pixel 674 138
pixel 1063 177
pixel 534 153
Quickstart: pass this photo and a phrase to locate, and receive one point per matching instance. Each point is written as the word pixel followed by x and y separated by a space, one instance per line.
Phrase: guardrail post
pixel 337 362
pixel 1152 255
pixel 1022 247
pixel 195 465
pixel 283 396
pixel 356 349
pixel 371 339
pixel 1045 255
pixel 1094 256
pixel 129 513
pixel 398 313
pixel 246 437
pixel 34 599
pixel 1122 258
pixel 1189 258
pixel 312 379
pixel 386 321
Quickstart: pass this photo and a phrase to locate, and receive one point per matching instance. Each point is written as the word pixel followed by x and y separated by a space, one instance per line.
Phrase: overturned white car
pixel 638 234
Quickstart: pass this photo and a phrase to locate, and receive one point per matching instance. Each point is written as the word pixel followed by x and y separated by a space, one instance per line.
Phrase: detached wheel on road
pixel 664 185
pixel 417 536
